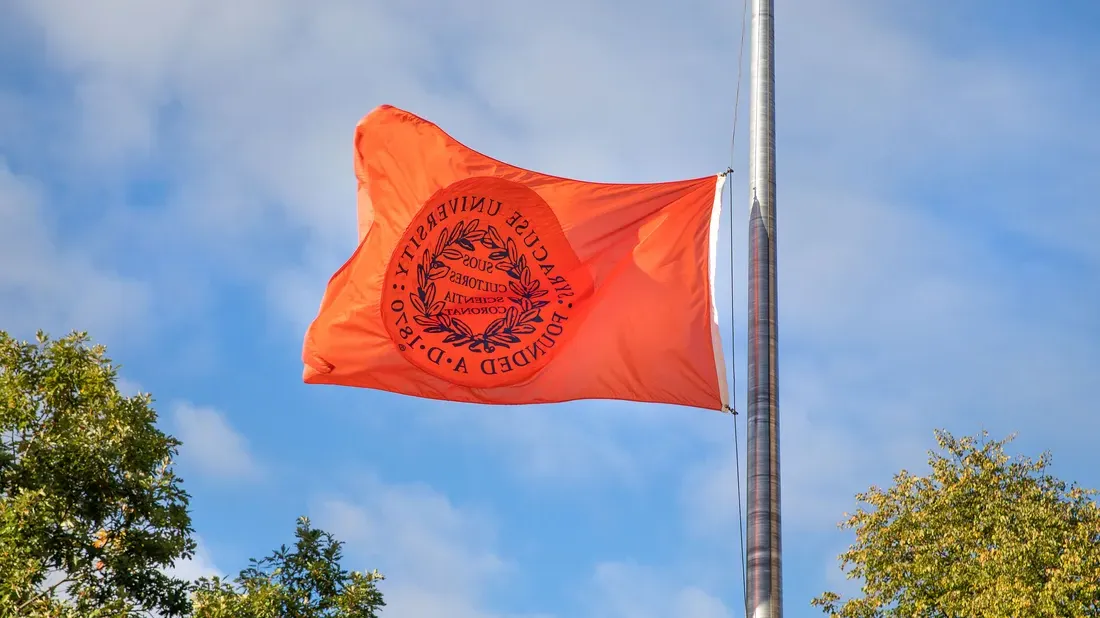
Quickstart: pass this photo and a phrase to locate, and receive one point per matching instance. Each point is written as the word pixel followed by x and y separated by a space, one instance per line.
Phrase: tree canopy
pixel 91 512
pixel 982 535
pixel 305 581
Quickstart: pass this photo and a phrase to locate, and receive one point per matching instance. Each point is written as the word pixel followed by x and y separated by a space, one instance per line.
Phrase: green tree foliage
pixel 983 535
pixel 304 582
pixel 90 509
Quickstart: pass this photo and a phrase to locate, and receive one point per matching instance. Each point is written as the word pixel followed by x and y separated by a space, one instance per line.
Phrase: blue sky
pixel 177 180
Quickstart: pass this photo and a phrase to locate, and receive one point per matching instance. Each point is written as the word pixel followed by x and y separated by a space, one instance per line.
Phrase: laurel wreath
pixel 518 319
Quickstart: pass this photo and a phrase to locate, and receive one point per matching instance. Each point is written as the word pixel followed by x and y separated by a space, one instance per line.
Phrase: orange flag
pixel 477 281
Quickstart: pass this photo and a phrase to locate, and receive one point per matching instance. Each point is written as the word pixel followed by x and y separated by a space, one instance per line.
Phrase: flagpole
pixel 764 596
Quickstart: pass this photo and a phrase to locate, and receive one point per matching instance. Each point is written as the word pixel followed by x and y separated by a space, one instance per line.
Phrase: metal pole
pixel 765 572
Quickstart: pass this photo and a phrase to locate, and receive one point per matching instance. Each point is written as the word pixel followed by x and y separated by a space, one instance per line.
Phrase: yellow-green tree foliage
pixel 983 535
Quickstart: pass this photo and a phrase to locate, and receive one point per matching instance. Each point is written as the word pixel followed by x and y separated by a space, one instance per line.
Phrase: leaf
pixel 436 329
pixel 439 272
pixel 462 327
pixel 511 316
pixel 465 244
pixel 494 237
pixel 516 289
pixel 502 339
pixel 440 242
pixel 451 253
pixel 499 254
pixel 476 236
pixel 471 226
pixel 436 308
pixel 453 337
pixel 523 329
pixel 540 303
pixel 528 316
pixel 538 293
pixel 425 320
pixel 494 326
pixel 421 275
pixel 416 302
pixel 513 251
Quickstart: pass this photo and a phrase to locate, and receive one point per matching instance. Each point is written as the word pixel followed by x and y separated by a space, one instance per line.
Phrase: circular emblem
pixel 483 286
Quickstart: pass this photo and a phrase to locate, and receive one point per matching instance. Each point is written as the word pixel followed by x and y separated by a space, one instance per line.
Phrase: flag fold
pixel 478 281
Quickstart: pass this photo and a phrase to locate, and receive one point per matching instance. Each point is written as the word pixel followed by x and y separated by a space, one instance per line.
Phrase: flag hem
pixel 712 263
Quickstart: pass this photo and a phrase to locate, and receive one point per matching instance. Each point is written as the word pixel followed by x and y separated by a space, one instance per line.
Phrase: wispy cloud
pixel 625 590
pixel 199 565
pixel 578 444
pixel 52 284
pixel 438 557
pixel 212 445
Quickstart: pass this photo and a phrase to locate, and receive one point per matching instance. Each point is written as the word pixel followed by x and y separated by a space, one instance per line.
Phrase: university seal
pixel 483 287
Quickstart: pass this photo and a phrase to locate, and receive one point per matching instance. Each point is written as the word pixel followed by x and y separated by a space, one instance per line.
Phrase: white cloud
pixel 199 565
pixel 438 558
pixel 441 560
pixel 212 445
pixel 53 286
pixel 623 590
pixel 127 387
pixel 570 445
pixel 554 445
